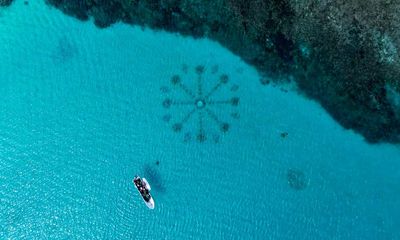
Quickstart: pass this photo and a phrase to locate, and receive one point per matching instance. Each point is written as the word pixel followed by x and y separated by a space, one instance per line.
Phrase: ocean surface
pixel 83 110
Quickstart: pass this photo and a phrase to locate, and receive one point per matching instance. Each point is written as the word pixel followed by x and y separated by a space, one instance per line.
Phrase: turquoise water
pixel 81 112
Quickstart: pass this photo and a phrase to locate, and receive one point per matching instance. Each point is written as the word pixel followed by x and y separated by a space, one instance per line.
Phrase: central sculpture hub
pixel 200 103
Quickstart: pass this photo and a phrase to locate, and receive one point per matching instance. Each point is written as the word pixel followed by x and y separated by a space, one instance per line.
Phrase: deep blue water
pixel 82 110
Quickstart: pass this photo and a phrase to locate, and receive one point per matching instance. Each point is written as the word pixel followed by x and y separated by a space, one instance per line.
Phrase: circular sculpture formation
pixel 203 100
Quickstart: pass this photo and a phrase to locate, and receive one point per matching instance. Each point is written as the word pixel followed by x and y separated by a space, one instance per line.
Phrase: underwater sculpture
pixel 344 54
pixel 201 102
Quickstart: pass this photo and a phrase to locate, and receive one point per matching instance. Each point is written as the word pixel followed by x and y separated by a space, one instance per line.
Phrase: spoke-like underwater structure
pixel 200 103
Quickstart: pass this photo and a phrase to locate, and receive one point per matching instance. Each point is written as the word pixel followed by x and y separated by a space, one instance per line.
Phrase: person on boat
pixel 146 197
pixel 136 181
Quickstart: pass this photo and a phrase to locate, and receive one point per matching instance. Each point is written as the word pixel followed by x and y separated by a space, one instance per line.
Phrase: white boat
pixel 146 184
pixel 144 188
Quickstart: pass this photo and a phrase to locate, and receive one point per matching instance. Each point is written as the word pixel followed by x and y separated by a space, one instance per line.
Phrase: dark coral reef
pixel 354 68
pixel 343 53
pixel 5 2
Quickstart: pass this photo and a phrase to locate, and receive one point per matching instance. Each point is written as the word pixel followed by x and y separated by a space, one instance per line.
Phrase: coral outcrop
pixel 354 66
pixel 342 53
pixel 5 2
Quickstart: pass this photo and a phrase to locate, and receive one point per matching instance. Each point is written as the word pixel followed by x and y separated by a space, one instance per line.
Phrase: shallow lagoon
pixel 82 112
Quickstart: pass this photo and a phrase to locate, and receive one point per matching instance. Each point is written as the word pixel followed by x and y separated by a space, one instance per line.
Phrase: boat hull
pixel 150 204
pixel 150 201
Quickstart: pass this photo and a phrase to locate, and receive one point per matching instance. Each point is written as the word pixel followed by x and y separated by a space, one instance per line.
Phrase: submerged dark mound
pixel 296 179
pixel 341 53
pixel 5 2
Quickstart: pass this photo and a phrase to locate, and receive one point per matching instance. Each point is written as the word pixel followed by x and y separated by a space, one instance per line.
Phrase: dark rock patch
pixel 284 47
pixel 4 3
pixel 296 179
pixel 64 50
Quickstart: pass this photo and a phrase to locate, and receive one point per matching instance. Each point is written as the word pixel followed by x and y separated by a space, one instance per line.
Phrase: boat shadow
pixel 154 177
